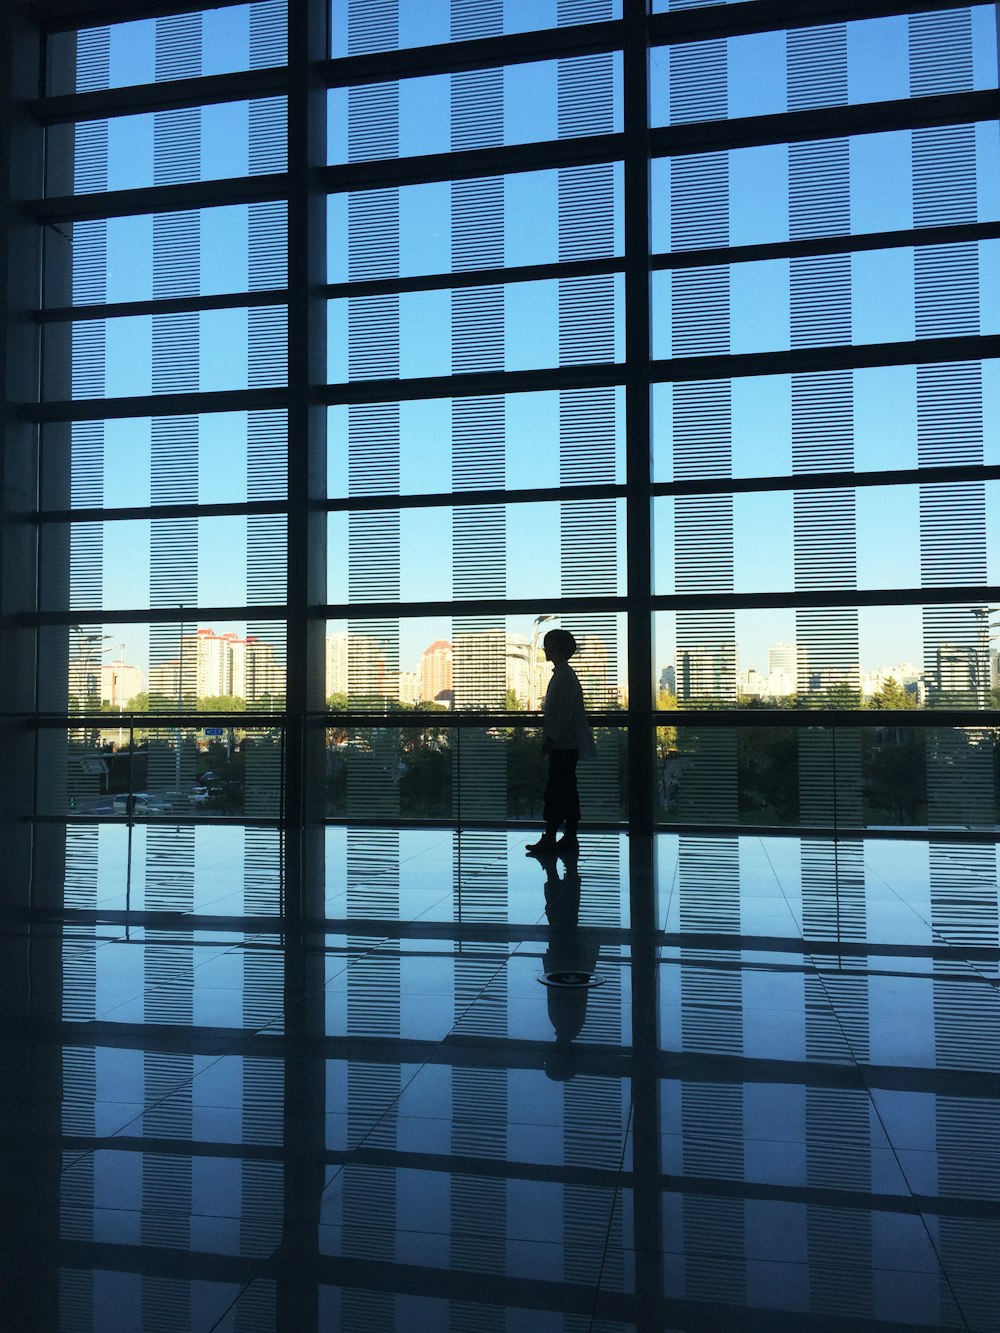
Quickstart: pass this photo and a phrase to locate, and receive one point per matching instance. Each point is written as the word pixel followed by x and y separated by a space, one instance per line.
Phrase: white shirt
pixel 565 723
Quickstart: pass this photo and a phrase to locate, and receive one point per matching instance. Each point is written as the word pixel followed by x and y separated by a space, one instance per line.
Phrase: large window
pixel 362 366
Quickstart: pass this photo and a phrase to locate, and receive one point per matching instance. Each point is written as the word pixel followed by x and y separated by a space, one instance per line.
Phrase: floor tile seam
pixel 351 960
pixel 807 1264
pixel 396 1100
pixel 258 1274
pixel 368 1234
pixel 490 1168
pixel 618 1195
pixel 506 1290
pixel 151 1106
pixel 413 856
pixel 175 983
pixel 770 862
pixel 991 979
pixel 873 1104
pixel 868 973
pixel 105 1015
pixel 670 896
pixel 860 1066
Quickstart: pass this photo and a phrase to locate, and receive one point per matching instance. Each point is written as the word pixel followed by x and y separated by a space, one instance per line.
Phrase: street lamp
pixel 90 650
pixel 117 686
pixel 982 655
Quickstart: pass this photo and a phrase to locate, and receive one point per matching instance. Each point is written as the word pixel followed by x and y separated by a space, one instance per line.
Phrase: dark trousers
pixel 562 800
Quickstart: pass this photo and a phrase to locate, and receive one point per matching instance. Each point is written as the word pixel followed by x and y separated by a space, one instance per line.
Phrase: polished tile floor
pixel 254 1087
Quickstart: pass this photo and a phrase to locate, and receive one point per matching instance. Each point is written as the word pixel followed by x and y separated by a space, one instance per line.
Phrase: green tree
pixel 894 764
pixel 892 695
pixel 221 703
pixel 666 737
pixel 768 774
pixel 840 695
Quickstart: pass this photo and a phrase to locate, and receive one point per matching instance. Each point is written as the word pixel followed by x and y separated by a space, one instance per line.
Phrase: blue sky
pixel 883 310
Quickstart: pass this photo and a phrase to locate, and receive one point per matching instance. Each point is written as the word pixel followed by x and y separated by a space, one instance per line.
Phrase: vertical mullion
pixel 642 882
pixel 638 366
pixel 307 48
pixel 297 1301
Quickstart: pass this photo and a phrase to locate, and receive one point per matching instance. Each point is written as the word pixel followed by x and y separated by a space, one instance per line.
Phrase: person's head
pixel 559 646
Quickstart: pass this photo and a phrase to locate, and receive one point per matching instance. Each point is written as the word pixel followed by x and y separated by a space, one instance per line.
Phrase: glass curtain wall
pixel 364 366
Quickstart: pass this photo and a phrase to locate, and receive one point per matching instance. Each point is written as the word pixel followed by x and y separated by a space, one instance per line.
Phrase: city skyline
pixel 225 664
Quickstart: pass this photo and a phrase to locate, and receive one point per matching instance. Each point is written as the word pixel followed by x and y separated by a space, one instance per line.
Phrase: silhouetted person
pixel 566 739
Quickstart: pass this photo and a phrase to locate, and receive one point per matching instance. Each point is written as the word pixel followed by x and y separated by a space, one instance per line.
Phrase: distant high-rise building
pixel 263 676
pixel 120 683
pixel 409 687
pixel 213 658
pixel 220 666
pixel 372 669
pixel 782 670
pixel 336 663
pixel 782 657
pixel 957 671
pixel 480 667
pixel 592 667
pixel 668 679
pixel 163 679
pixel 751 684
pixel 436 670
pixel 707 673
pixel 519 667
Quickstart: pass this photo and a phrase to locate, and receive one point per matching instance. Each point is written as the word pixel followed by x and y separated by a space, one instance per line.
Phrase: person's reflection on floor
pixel 568 954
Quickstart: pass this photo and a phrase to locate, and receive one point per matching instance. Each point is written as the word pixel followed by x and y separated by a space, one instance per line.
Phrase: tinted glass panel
pixel 168 147
pixel 869 420
pixel 215 41
pixel 533 217
pixel 231 457
pixel 865 183
pixel 357 28
pixel 235 560
pixel 170 774
pixel 136 667
pixel 869 60
pixel 870 657
pixel 520 326
pixel 430 664
pixel 135 355
pixel 875 296
pixel 519 550
pixel 865 537
pixel 432 445
pixel 477 109
pixel 844 778
pixel 460 773
pixel 239 248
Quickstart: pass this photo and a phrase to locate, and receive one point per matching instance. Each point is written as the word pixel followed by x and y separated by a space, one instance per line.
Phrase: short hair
pixel 562 639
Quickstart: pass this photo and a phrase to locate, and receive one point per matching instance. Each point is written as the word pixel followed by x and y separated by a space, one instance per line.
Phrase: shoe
pixel 568 845
pixel 545 846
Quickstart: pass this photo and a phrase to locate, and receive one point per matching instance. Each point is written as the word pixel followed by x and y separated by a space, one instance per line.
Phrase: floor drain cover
pixel 576 980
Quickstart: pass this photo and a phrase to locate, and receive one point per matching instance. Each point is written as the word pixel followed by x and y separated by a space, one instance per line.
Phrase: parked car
pixel 143 803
